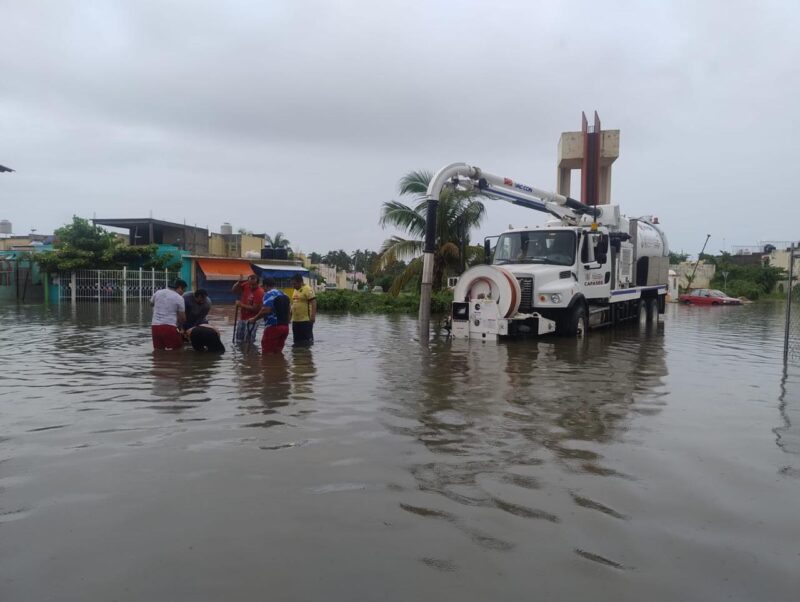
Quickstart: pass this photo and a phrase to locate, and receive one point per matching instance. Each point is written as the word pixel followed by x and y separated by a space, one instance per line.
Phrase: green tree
pixel 79 245
pixel 676 258
pixel 340 259
pixel 315 258
pixel 476 255
pixel 458 213
pixel 278 241
pixel 751 281
pixel 82 245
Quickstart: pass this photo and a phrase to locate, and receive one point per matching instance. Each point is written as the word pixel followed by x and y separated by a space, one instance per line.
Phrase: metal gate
pixel 112 285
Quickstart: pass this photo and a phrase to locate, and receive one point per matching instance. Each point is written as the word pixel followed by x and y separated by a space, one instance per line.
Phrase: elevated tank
pixel 649 239
pixel 5 226
pixel 651 253
pixel 226 228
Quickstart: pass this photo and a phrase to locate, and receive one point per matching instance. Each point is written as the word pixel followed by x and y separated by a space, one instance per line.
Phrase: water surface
pixel 656 464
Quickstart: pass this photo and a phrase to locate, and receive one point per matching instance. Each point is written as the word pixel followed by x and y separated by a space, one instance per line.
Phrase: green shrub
pixel 362 302
pixel 744 288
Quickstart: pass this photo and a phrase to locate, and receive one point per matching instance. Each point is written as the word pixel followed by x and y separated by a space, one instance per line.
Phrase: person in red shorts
pixel 168 312
pixel 275 309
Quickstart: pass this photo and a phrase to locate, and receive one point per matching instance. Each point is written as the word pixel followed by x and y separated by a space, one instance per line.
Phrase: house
pixel 147 231
pixel 218 274
pixel 235 245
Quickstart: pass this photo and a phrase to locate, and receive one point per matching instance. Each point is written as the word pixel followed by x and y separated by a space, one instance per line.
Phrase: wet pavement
pixel 657 463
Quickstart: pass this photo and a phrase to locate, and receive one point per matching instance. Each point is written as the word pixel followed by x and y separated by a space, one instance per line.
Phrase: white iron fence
pixel 112 285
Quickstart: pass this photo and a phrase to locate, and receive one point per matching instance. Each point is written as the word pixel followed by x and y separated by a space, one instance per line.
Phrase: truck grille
pixel 526 303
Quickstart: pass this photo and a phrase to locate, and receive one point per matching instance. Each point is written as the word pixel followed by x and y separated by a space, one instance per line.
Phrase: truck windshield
pixel 555 247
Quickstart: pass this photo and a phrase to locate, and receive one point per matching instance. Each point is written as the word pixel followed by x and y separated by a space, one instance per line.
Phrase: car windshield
pixel 716 293
pixel 556 247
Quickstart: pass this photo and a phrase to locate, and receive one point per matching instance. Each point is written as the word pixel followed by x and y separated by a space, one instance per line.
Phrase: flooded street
pixel 658 464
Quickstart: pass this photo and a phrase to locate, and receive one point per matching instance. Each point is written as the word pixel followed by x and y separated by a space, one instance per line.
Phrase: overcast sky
pixel 301 116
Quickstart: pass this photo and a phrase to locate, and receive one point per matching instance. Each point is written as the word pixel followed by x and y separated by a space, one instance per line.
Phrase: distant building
pixel 146 231
pixel 235 245
pixel 24 243
pixel 332 276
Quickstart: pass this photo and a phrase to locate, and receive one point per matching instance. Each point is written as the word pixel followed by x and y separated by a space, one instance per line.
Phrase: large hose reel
pixel 490 282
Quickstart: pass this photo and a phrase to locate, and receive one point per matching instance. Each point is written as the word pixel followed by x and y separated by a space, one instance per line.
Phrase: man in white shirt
pixel 168 312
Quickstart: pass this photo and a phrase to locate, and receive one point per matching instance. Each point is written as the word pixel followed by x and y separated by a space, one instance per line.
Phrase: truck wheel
pixel 644 312
pixel 648 312
pixel 575 323
pixel 652 310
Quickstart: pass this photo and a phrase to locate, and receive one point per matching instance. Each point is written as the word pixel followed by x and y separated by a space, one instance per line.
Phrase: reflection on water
pixel 644 463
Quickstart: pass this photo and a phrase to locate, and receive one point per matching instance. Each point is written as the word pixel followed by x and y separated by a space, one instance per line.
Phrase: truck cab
pixel 555 266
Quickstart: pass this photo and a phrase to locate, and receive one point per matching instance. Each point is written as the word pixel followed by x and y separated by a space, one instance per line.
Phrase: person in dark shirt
pixel 198 304
pixel 204 337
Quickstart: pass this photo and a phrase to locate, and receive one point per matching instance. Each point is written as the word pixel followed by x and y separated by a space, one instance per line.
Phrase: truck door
pixel 594 274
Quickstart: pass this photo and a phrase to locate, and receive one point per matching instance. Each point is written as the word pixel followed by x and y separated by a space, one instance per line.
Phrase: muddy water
pixel 658 464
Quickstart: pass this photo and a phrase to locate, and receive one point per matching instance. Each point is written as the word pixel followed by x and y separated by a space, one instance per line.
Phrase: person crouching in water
pixel 275 309
pixel 197 305
pixel 205 337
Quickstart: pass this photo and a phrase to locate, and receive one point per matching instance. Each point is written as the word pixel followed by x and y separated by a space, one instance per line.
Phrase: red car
pixel 708 296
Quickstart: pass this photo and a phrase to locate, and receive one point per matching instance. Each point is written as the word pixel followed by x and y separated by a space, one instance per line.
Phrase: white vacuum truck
pixel 590 267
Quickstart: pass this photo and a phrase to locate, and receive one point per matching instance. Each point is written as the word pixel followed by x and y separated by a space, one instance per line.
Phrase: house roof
pixel 269 270
pixel 225 269
pixel 133 222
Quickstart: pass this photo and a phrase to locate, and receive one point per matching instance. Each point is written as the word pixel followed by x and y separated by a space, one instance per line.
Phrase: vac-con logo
pixel 523 187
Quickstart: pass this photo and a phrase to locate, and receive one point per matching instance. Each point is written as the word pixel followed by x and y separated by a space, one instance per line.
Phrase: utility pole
pixel 694 271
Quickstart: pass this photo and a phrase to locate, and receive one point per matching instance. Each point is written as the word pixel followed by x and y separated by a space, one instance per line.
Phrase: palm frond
pixel 415 182
pixel 413 270
pixel 399 215
pixel 395 248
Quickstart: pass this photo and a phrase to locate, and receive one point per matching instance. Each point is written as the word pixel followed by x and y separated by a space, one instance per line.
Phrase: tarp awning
pixel 265 270
pixel 225 269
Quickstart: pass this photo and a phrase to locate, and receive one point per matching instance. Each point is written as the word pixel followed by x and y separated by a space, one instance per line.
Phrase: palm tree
pixel 458 213
pixel 278 241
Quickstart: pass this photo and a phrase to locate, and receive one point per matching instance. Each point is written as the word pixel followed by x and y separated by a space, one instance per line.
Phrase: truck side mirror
pixel 587 250
pixel 487 251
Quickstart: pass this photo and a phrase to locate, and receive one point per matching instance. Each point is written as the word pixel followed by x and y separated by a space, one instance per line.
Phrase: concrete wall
pixel 703 276
pixel 234 245
pixel 216 245
pixel 250 243
pixel 194 240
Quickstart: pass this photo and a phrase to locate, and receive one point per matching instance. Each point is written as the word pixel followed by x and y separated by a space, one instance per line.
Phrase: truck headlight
pixel 555 298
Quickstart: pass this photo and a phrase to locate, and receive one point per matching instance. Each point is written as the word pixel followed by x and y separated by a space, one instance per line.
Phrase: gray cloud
pixel 301 116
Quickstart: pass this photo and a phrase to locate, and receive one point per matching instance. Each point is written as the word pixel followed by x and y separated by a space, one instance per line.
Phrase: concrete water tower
pixel 226 228
pixel 592 150
pixel 5 226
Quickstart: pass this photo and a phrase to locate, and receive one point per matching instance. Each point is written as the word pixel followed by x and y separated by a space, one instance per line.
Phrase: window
pixel 555 247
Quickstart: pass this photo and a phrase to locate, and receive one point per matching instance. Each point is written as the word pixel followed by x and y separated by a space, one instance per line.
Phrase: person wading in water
pixel 249 303
pixel 168 314
pixel 275 310
pixel 304 312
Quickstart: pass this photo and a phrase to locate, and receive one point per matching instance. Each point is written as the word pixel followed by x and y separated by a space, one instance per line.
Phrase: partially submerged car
pixel 708 296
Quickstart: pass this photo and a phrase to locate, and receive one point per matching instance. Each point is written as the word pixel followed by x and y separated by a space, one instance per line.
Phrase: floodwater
pixel 655 464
